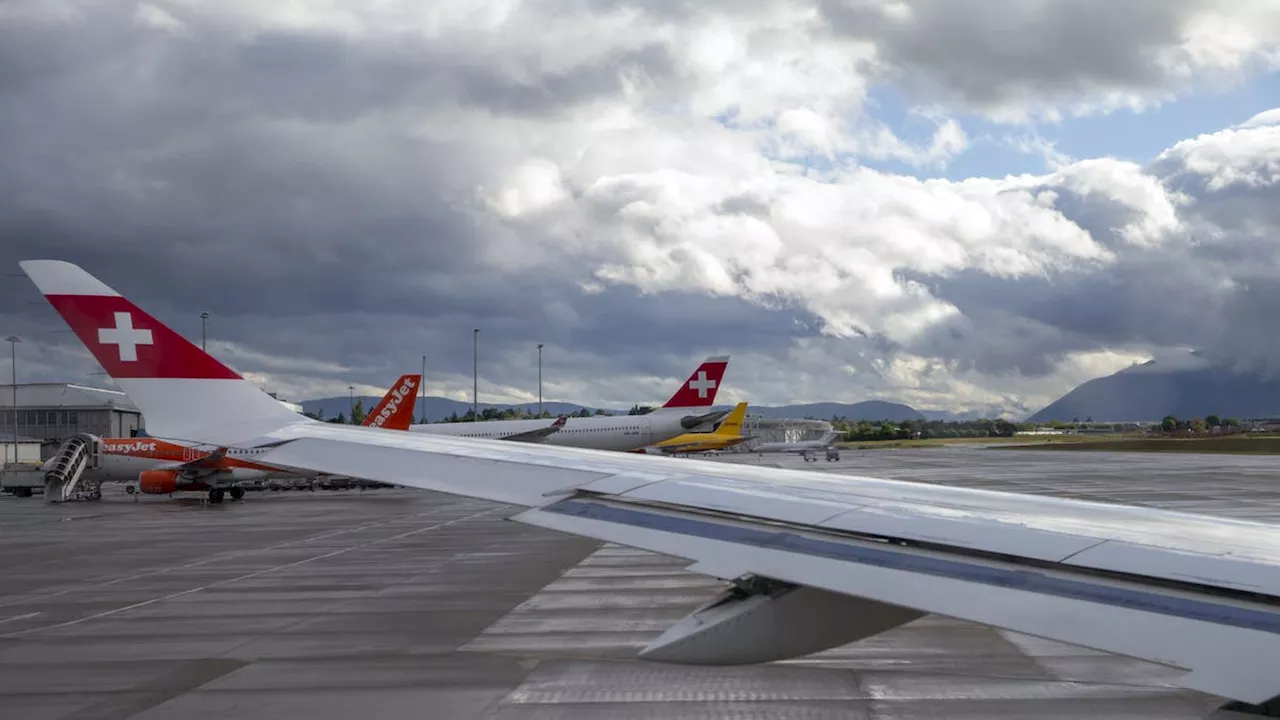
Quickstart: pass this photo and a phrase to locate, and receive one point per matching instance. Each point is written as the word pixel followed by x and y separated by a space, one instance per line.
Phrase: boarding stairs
pixel 66 478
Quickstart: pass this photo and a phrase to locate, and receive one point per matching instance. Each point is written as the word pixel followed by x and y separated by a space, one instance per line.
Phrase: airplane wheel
pixel 237 493
pixel 215 495
pixel 129 489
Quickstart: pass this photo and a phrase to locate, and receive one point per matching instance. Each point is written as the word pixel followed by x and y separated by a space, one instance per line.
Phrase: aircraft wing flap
pixel 623 483
pixel 1229 647
pixel 989 536
pixel 759 501
pixel 1204 569
pixel 1001 534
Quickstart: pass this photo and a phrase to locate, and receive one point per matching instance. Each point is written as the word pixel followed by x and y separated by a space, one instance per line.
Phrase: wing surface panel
pixel 1229 647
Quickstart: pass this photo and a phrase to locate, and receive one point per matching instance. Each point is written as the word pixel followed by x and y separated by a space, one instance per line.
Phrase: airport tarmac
pixel 407 604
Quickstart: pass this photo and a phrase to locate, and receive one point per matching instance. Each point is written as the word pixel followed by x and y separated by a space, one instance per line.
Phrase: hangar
pixel 52 412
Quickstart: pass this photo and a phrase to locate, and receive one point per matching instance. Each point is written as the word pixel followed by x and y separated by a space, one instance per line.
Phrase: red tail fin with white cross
pixel 699 391
pixel 180 388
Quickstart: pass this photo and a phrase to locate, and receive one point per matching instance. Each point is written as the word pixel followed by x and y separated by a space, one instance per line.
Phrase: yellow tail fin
pixel 732 423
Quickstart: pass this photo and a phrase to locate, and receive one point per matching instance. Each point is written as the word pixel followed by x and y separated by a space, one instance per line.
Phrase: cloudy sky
pixel 959 204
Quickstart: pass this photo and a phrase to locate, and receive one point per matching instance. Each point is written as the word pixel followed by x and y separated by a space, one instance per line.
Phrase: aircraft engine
pixel 158 482
pixel 761 620
pixel 689 422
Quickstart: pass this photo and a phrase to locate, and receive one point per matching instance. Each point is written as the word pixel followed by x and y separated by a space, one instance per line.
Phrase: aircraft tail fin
pixel 699 391
pixel 181 390
pixel 395 410
pixel 732 423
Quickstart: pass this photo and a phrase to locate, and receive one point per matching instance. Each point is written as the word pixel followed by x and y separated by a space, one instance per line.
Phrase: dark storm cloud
pixel 251 177
pixel 135 151
pixel 1207 286
pixel 988 53
pixel 318 193
pixel 1029 324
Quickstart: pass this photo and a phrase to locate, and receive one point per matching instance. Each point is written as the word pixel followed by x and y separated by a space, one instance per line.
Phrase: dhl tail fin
pixel 395 411
pixel 732 423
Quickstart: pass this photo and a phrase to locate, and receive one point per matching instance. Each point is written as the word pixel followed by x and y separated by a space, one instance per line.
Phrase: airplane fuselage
pixel 124 459
pixel 601 432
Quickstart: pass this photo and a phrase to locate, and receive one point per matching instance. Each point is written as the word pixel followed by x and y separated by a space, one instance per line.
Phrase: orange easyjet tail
pixel 395 411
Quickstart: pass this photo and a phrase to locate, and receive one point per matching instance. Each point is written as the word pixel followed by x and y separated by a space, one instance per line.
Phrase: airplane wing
pixel 200 467
pixel 815 560
pixel 539 435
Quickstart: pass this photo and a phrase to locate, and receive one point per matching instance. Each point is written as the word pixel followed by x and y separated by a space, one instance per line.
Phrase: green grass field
pixel 1247 445
pixel 1021 440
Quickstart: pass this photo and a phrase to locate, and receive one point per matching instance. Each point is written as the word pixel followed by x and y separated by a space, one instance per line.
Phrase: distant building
pixel 52 412
pixel 790 430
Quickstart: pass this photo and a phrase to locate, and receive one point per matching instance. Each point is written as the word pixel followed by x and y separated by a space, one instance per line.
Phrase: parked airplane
pixel 814 560
pixel 163 467
pixel 727 434
pixel 688 408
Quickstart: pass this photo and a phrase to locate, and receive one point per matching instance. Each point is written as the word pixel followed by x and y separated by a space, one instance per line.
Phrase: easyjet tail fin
pixel 395 410
pixel 699 391
pixel 183 392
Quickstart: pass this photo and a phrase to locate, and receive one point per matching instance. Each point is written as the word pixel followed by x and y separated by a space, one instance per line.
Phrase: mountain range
pixel 1185 387
pixel 439 408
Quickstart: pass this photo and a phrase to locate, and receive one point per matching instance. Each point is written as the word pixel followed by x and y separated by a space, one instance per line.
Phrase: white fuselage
pixel 602 432
pixel 123 467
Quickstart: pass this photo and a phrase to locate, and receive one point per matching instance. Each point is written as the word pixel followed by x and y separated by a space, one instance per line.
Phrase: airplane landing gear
pixel 215 495
pixel 237 493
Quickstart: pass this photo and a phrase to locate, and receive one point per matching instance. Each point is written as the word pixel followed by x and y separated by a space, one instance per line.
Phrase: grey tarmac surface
pixel 406 604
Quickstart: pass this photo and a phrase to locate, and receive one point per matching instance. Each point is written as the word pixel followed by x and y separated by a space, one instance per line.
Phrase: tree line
pixel 1208 423
pixel 866 430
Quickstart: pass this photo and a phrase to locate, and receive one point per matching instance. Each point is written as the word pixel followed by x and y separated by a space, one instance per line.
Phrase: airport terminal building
pixel 52 412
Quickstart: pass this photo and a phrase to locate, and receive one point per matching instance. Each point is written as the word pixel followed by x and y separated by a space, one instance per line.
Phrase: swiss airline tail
pixel 395 411
pixel 179 388
pixel 699 391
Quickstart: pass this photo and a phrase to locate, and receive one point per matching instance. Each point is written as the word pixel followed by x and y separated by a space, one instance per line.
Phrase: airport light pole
pixel 475 374
pixel 13 341
pixel 351 400
pixel 539 379
pixel 204 318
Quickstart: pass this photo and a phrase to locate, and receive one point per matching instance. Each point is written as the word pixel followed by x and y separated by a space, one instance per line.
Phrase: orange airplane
pixel 162 467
